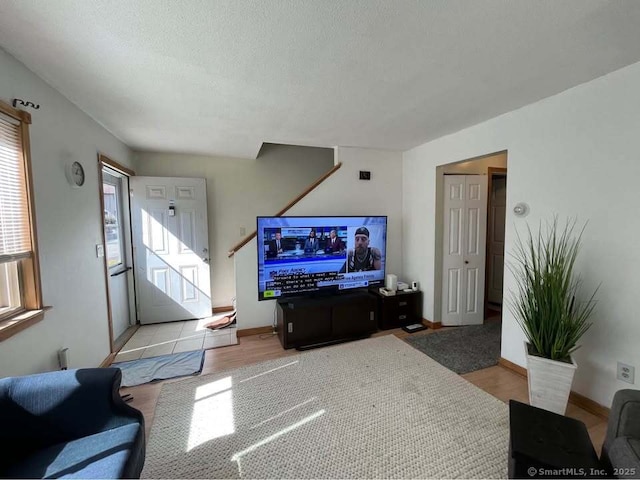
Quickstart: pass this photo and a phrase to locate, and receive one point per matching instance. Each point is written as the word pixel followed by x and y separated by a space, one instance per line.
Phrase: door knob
pixel 205 260
pixel 466 261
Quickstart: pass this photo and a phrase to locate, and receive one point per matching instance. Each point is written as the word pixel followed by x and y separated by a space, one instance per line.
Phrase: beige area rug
pixel 375 408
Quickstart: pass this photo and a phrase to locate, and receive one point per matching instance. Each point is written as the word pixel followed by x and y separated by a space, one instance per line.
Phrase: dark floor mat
pixel 462 349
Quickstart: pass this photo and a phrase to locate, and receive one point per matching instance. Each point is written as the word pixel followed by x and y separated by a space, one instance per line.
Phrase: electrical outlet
pixel 243 231
pixel 99 250
pixel 626 373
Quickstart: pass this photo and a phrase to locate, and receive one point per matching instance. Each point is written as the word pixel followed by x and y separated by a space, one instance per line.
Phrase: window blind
pixel 15 232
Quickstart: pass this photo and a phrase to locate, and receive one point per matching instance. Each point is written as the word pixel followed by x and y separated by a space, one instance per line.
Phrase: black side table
pixel 543 444
pixel 403 308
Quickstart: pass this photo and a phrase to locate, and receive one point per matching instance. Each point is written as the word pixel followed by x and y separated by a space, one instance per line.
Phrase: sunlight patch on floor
pixel 212 388
pixel 276 435
pixel 269 371
pixel 212 413
pixel 288 410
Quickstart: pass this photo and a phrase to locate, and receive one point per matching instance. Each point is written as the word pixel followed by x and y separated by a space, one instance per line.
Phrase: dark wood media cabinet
pixel 313 322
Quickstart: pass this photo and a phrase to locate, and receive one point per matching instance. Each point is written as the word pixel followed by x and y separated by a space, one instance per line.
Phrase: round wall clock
pixel 75 174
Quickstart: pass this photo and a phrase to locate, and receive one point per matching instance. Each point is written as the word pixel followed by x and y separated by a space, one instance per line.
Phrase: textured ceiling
pixel 221 77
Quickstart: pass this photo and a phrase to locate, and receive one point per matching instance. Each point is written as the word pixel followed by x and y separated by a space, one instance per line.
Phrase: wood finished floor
pixel 498 381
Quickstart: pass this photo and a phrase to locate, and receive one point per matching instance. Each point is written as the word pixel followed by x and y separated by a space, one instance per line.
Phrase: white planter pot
pixel 549 382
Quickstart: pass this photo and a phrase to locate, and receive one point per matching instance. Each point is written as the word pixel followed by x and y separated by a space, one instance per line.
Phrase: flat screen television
pixel 308 255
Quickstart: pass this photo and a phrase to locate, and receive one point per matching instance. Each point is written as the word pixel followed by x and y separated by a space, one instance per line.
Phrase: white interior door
pixel 171 248
pixel 465 228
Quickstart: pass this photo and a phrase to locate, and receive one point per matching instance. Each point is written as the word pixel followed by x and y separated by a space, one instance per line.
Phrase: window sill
pixel 20 321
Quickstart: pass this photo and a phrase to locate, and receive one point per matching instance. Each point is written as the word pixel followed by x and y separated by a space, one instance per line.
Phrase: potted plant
pixel 548 308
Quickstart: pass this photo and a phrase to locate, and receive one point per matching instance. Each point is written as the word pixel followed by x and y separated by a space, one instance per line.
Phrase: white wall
pixel 574 154
pixel 476 166
pixel 341 194
pixel 69 223
pixel 238 190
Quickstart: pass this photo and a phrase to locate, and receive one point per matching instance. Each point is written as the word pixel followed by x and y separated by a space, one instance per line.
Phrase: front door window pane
pixel 112 227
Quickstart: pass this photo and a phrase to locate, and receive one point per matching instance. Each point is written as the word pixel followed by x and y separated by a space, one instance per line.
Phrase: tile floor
pixel 175 337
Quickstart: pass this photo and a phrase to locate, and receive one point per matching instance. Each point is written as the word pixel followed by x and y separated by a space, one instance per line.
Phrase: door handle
pixel 126 269
pixel 466 262
pixel 205 260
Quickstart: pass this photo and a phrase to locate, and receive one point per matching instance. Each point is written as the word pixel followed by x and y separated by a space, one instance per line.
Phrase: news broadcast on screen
pixel 305 255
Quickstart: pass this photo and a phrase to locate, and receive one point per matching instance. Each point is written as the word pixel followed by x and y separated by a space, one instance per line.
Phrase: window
pixel 112 192
pixel 20 297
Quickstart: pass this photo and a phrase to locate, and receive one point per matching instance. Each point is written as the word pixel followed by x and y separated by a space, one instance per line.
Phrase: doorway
pixel 496 217
pixel 118 255
pixel 470 225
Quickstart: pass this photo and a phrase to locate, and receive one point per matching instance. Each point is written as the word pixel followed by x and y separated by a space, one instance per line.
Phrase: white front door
pixel 171 248
pixel 465 228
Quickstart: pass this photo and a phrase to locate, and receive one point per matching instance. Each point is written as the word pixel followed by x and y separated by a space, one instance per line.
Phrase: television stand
pixel 305 323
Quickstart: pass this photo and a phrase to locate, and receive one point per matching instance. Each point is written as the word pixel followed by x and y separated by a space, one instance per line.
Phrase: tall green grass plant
pixel 546 304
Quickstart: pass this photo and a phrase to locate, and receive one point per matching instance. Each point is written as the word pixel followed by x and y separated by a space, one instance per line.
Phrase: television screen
pixel 302 255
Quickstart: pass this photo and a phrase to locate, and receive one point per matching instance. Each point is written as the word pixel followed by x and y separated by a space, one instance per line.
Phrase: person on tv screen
pixel 363 257
pixel 275 246
pixel 334 244
pixel 311 243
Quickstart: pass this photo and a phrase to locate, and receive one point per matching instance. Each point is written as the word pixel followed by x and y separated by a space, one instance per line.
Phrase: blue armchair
pixel 69 424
